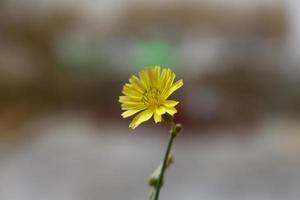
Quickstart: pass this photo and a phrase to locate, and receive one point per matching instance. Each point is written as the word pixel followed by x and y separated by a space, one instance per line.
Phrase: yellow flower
pixel 147 95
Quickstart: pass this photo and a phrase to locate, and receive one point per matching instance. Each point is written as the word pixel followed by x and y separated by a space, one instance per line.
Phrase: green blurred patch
pixel 154 52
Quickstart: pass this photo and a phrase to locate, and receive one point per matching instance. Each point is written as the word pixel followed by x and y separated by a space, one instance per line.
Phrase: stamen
pixel 151 97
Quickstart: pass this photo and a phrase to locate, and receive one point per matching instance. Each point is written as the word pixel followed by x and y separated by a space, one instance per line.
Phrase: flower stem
pixel 175 128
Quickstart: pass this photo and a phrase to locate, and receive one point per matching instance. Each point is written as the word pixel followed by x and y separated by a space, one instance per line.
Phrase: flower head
pixel 147 95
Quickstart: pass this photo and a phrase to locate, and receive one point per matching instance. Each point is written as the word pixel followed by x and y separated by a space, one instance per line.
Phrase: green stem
pixel 174 131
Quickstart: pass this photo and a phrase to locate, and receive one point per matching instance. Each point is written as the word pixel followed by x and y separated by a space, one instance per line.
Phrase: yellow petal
pixel 133 107
pixel 129 98
pixel 157 71
pixel 170 103
pixel 145 78
pixel 162 79
pixel 132 103
pixel 165 77
pixel 170 110
pixel 170 77
pixel 130 112
pixel 173 88
pixel 150 72
pixel 137 83
pixel 140 118
pixel 129 91
pixel 155 76
pixel 160 110
pixel 157 117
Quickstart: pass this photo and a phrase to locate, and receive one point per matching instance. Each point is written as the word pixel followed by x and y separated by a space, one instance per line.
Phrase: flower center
pixel 151 97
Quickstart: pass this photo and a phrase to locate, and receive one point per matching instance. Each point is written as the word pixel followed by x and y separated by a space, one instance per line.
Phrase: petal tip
pixel 132 126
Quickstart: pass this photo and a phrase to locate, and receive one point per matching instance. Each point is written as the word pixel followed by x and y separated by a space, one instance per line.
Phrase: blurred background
pixel 62 67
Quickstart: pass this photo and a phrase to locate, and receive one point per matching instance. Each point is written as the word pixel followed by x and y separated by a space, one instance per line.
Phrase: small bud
pixel 153 179
pixel 178 128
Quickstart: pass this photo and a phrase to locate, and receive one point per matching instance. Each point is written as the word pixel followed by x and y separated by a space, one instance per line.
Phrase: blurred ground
pixel 69 156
